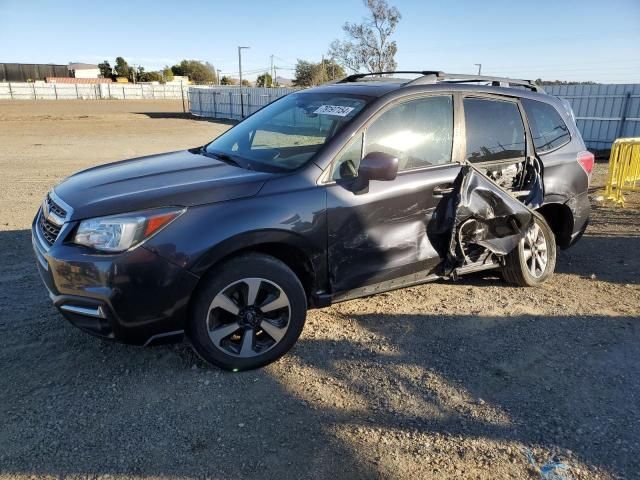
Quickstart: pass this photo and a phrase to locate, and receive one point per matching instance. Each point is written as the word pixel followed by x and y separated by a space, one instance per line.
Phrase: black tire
pixel 212 317
pixel 518 268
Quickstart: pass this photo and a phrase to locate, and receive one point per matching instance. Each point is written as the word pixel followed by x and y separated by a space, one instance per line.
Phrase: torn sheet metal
pixel 522 179
pixel 480 216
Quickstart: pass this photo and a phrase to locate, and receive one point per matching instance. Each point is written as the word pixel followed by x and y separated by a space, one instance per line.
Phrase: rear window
pixel 547 127
pixel 494 130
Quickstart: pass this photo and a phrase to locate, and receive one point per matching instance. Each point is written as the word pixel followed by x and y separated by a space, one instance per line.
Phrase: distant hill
pixel 284 82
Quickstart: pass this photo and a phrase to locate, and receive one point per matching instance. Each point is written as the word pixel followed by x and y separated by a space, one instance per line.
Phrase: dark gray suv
pixel 373 183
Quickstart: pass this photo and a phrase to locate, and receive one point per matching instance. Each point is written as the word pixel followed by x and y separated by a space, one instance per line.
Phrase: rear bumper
pixel 581 208
pixel 135 297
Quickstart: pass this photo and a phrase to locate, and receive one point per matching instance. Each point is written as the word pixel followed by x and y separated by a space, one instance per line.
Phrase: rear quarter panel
pixel 565 181
pixel 564 178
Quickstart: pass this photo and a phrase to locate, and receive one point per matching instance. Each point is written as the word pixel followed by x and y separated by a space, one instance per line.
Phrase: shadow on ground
pixel 72 404
pixel 520 368
pixel 186 116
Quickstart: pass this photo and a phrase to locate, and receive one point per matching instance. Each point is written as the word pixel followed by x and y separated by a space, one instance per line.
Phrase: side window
pixel 547 128
pixel 419 132
pixel 347 162
pixel 494 130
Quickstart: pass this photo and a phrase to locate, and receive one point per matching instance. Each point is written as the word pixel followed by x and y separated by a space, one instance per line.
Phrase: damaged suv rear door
pixel 490 209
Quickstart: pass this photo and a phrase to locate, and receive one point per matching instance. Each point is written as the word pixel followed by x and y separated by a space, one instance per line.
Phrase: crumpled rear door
pixel 481 217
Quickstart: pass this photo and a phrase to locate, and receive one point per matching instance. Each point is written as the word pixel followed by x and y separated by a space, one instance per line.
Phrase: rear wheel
pixel 534 260
pixel 249 314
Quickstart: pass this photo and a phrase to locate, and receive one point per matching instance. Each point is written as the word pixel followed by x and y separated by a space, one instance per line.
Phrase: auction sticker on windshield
pixel 338 110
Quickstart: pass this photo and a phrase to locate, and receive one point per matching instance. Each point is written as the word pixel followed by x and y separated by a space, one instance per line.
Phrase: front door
pixel 382 233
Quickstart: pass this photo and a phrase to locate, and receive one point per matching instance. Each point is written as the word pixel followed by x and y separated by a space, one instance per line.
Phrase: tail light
pixel 586 161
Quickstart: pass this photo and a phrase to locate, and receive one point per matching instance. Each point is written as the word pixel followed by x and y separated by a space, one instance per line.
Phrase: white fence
pixel 80 91
pixel 232 102
pixel 603 112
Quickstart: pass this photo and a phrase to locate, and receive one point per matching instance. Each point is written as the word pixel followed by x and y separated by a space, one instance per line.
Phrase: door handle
pixel 442 189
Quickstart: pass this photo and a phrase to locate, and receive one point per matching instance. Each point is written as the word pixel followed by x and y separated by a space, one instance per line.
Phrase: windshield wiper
pixel 220 156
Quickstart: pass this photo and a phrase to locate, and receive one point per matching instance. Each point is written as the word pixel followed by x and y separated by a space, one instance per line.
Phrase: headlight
pixel 117 233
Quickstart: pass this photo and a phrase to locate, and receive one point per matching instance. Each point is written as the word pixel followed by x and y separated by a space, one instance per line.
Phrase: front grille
pixel 55 208
pixel 49 231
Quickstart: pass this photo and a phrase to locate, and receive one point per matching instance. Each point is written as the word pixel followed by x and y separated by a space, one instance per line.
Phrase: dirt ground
pixel 446 380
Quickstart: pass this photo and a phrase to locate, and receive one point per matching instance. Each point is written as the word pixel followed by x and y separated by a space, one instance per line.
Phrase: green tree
pixel 304 74
pixel 368 44
pixel 246 83
pixel 138 75
pixel 105 69
pixel 309 74
pixel 122 68
pixel 539 81
pixel 197 71
pixel 264 80
pixel 149 76
pixel 328 70
pixel 167 74
pixel 225 80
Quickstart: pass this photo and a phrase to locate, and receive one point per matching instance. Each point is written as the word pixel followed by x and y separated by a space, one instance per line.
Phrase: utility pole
pixel 219 72
pixel 240 62
pixel 273 78
pixel 479 65
pixel 240 75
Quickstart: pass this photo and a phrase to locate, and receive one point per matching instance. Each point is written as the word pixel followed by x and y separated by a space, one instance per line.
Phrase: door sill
pixel 386 286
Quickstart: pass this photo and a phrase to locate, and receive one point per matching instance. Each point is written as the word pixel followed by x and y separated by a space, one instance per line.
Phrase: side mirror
pixel 378 166
pixel 374 166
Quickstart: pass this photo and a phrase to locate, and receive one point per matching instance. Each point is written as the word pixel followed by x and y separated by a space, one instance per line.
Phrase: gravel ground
pixel 446 380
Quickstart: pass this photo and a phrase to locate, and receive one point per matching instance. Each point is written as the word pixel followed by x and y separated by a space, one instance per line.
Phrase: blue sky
pixel 563 39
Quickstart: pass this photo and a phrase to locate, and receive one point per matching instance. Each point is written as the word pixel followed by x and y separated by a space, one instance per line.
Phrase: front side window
pixel 547 127
pixel 347 162
pixel 288 133
pixel 494 130
pixel 419 132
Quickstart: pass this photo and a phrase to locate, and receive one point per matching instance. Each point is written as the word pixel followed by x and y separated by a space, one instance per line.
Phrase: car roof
pixel 401 86
pixel 369 89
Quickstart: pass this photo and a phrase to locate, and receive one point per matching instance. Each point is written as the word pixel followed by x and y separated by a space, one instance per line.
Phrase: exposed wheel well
pixel 560 219
pixel 291 256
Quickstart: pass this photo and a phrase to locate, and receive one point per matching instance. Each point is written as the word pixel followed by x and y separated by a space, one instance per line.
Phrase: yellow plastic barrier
pixel 624 169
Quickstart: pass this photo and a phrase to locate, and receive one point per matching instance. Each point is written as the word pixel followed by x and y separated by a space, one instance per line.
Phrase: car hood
pixel 182 178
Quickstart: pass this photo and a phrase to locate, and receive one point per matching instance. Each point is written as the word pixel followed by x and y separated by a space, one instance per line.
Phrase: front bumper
pixel 134 297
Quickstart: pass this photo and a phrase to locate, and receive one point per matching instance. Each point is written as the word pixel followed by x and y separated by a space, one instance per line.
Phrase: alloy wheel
pixel 535 251
pixel 248 317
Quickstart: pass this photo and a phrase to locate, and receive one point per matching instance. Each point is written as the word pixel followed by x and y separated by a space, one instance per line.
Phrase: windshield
pixel 287 133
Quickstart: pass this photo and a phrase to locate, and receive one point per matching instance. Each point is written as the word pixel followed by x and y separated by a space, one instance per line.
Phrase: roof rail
pixel 495 81
pixel 358 76
pixel 435 76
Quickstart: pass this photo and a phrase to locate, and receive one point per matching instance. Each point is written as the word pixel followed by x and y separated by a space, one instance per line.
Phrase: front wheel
pixel 533 261
pixel 248 314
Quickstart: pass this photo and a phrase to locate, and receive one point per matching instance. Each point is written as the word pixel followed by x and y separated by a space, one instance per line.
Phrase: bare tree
pixel 368 44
